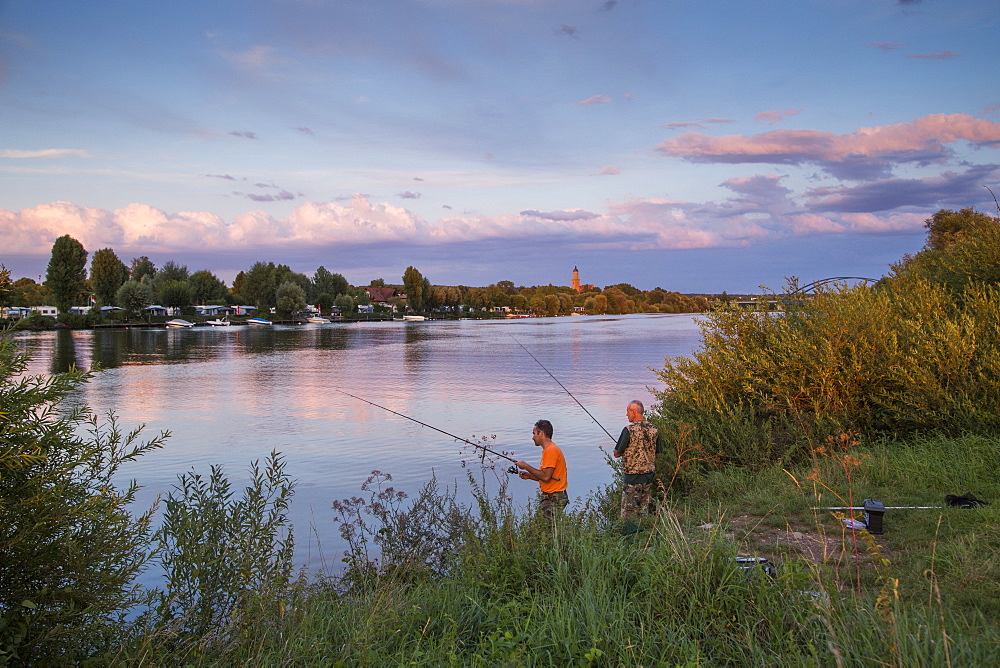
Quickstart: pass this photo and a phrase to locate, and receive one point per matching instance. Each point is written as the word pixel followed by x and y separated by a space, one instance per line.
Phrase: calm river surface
pixel 231 395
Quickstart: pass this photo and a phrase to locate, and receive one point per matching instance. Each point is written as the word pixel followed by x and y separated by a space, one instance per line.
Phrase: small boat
pixel 414 318
pixel 218 323
pixel 177 322
pixel 258 321
pixel 317 320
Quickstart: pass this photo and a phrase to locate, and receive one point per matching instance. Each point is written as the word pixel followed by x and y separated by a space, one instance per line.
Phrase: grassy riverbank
pixel 887 392
pixel 506 589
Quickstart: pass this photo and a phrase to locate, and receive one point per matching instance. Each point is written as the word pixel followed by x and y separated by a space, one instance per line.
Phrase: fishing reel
pixel 513 470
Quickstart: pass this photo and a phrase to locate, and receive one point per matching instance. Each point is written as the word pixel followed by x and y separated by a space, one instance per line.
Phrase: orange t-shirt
pixel 552 457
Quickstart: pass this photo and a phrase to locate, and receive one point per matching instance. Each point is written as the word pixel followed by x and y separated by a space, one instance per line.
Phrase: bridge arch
pixel 833 279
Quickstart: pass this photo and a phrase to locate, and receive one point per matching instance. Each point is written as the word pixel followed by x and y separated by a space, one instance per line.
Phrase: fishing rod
pixel 513 470
pixel 567 391
pixel 430 426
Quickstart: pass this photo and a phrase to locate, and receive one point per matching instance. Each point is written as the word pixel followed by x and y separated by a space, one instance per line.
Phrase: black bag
pixel 965 501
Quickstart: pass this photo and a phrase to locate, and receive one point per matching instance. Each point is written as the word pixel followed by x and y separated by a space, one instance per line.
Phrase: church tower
pixel 576 279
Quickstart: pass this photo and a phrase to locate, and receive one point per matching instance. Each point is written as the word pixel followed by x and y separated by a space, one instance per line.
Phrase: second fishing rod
pixel 565 389
pixel 511 470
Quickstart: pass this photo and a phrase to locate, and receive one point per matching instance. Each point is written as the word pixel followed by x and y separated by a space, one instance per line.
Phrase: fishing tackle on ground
pixel 875 509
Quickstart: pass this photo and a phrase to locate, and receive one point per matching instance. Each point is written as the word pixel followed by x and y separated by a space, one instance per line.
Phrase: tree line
pixel 266 285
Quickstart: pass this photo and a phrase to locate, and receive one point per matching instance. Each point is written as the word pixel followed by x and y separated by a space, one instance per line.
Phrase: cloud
pixel 676 125
pixel 44 153
pixel 990 109
pixel 569 31
pixel 718 120
pixel 948 188
pixel 576 214
pixel 281 196
pixel 609 170
pixel 886 46
pixel 417 178
pixel 260 60
pixel 773 117
pixel 306 131
pixel 408 195
pixel 226 177
pixel 937 55
pixel 595 99
pixel 608 5
pixel 753 209
pixel 245 134
pixel 864 154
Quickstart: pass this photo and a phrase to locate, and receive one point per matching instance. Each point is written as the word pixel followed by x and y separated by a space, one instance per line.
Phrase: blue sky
pixel 695 146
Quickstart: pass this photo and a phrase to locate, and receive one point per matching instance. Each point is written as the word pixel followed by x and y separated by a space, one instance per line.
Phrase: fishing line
pixel 567 391
pixel 430 426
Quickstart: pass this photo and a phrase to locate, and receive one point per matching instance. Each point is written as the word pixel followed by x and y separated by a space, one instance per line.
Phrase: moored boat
pixel 218 323
pixel 258 321
pixel 414 318
pixel 178 322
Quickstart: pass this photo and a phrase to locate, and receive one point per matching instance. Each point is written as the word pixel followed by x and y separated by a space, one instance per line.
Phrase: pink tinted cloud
pixel 773 117
pixel 609 170
pixel 595 99
pixel 885 46
pixel 937 55
pixel 755 208
pixel 865 153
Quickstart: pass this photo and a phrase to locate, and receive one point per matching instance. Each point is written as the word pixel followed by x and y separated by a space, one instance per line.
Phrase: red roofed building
pixel 381 296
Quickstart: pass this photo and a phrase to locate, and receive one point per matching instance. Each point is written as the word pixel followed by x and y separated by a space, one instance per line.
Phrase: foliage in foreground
pixel 69 546
pixel 431 581
pixel 226 560
pixel 518 591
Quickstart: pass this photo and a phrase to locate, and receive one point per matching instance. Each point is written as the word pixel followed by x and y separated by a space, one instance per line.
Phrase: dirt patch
pixel 815 544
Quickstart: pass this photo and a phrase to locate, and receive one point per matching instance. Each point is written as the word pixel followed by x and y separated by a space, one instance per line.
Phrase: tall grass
pixel 518 590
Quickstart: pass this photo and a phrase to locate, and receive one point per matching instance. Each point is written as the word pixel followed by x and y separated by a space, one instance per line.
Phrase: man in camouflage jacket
pixel 637 446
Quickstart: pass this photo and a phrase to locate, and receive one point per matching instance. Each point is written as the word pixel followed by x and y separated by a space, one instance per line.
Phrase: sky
pixel 700 146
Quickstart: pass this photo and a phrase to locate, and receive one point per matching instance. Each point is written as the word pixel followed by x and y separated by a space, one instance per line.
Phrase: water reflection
pixel 230 395
pixel 64 352
pixel 414 352
pixel 256 339
pixel 109 347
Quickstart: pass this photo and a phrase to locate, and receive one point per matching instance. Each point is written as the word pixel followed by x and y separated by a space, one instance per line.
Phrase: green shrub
pixel 35 321
pixel 69 547
pixel 899 358
pixel 228 562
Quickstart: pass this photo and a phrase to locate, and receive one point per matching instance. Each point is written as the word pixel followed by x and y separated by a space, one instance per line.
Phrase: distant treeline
pixel 266 285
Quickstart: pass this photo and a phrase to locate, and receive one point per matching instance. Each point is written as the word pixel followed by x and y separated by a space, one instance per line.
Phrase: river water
pixel 231 395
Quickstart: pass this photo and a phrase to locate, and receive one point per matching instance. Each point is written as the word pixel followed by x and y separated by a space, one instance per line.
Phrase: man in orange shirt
pixel 551 471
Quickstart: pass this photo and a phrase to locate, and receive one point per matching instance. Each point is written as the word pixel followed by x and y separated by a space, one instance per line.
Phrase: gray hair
pixel 638 405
